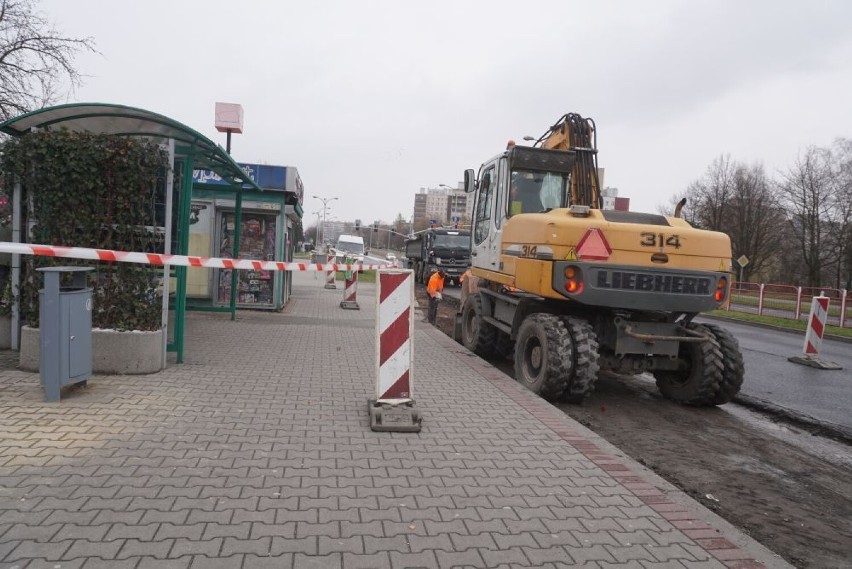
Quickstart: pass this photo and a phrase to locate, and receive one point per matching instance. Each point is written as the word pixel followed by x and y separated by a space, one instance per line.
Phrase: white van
pixel 351 246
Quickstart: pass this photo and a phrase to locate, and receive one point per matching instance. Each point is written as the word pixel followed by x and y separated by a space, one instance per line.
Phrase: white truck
pixel 350 246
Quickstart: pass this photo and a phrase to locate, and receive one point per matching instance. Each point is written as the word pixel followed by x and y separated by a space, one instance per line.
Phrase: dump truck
pixel 438 248
pixel 566 289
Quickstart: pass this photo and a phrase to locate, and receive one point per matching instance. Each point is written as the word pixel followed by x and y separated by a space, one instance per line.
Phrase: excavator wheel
pixel 697 381
pixel 586 356
pixel 733 368
pixel 478 336
pixel 543 355
pixel 504 346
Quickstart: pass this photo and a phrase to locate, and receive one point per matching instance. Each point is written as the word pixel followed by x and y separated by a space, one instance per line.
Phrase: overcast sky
pixel 373 100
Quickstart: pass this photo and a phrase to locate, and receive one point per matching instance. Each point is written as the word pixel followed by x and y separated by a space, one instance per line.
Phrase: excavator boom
pixel 576 133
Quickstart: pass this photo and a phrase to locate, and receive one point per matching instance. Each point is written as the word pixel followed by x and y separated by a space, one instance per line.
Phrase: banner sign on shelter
pixel 276 178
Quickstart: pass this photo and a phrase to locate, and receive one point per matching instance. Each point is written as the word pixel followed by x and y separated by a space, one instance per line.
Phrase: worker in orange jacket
pixel 435 289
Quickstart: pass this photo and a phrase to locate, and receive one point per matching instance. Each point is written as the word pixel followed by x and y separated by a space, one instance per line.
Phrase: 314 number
pixel 658 240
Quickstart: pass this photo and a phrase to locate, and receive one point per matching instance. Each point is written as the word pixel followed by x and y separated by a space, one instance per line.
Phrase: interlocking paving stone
pixel 397 543
pixel 135 548
pixel 256 452
pixel 186 547
pixel 97 563
pixel 27 549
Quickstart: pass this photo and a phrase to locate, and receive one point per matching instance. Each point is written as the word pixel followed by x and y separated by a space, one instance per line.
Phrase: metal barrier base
pixel 813 362
pixel 402 418
pixel 330 286
pixel 349 305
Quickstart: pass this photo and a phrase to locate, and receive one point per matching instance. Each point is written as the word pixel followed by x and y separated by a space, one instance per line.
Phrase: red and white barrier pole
pixel 350 291
pixel 814 334
pixel 329 276
pixel 394 408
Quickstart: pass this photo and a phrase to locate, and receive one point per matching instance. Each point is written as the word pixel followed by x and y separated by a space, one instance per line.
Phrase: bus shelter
pixel 189 151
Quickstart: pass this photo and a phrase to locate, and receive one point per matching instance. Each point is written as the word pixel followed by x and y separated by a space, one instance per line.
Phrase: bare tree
pixel 754 218
pixel 806 191
pixel 840 223
pixel 738 200
pixel 35 59
pixel 710 196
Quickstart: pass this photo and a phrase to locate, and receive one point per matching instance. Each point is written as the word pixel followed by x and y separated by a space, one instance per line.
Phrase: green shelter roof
pixel 104 118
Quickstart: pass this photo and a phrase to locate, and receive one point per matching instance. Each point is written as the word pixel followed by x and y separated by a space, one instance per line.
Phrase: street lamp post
pixel 317 232
pixel 324 208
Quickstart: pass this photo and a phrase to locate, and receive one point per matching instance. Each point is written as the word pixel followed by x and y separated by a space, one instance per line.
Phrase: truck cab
pixel 439 248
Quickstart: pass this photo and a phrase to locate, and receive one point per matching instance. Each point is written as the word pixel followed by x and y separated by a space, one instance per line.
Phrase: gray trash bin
pixel 65 330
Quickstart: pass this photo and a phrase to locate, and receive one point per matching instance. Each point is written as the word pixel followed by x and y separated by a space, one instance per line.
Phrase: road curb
pixel 811 424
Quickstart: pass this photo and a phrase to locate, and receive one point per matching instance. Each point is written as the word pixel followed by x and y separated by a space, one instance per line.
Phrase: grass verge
pixel 779 322
pixel 363 277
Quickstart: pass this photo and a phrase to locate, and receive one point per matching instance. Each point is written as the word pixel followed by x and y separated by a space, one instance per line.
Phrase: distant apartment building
pixel 420 216
pixel 443 205
pixel 612 201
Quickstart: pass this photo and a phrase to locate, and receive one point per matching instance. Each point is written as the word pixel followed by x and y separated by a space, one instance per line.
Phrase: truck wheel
pixel 586 357
pixel 733 369
pixel 478 336
pixel 698 379
pixel 543 355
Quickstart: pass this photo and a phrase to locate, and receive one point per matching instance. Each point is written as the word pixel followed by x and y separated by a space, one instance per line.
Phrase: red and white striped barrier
pixel 816 325
pixel 393 409
pixel 814 334
pixel 350 291
pixel 329 276
pixel 176 260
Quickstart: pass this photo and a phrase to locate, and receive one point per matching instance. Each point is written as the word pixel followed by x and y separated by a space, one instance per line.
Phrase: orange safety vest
pixel 436 285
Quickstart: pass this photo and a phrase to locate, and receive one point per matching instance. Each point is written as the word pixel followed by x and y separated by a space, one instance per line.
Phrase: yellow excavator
pixel 568 289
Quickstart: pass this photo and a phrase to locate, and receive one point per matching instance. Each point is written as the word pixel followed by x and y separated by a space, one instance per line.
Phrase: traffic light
pixel 357 225
pixel 376 227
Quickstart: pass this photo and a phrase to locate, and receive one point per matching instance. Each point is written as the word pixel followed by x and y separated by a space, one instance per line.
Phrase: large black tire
pixel 478 336
pixel 586 358
pixel 543 355
pixel 733 368
pixel 504 347
pixel 698 382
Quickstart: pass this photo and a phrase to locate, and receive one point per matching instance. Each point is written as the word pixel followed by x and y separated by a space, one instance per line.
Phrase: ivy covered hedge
pixel 97 191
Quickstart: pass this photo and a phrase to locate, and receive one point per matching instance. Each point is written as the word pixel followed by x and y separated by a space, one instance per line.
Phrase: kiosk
pixel 253 225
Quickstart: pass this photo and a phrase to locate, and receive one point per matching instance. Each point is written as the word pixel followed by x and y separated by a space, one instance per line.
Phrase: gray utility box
pixel 65 329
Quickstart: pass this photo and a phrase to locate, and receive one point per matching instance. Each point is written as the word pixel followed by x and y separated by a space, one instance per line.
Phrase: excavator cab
pixel 521 181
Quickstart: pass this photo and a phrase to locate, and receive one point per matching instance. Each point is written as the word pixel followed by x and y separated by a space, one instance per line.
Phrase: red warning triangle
pixel 594 246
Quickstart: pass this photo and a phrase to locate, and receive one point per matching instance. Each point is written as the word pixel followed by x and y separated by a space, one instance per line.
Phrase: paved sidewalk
pixel 257 453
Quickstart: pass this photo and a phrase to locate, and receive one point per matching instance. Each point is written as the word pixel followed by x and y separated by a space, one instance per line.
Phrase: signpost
pixel 742 262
